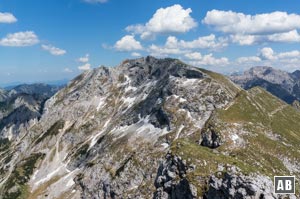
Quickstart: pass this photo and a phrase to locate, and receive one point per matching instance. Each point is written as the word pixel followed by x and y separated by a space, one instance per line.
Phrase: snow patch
pixel 234 138
pixel 179 131
pixel 34 175
pixel 101 103
pixel 94 138
pixel 52 166
pixel 129 100
pixel 70 183
pixel 177 97
pixel 143 128
pixel 10 133
pixel 49 176
pixel 130 88
pixel 181 100
pixel 190 81
pixel 165 145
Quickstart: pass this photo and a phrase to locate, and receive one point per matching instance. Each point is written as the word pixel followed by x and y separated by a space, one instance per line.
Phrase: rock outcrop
pixel 171 180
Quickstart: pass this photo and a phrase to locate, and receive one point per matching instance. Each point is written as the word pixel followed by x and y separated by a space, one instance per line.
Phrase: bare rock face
pixel 296 105
pixel 21 105
pixel 282 84
pixel 148 128
pixel 3 95
pixel 210 138
pixel 171 180
pixel 233 185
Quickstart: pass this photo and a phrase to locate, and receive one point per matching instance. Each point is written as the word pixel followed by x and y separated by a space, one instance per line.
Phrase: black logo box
pixel 281 183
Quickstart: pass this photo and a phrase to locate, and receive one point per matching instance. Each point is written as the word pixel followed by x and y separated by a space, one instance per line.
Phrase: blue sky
pixel 58 39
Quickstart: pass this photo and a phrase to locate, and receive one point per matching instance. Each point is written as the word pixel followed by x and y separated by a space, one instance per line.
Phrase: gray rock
pixel 282 84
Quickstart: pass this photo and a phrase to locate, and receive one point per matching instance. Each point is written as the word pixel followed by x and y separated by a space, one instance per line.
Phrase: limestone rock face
pixel 232 185
pixel 148 128
pixel 171 181
pixel 282 84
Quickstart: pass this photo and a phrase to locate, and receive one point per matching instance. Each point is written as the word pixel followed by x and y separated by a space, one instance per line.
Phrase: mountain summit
pixel 284 85
pixel 152 128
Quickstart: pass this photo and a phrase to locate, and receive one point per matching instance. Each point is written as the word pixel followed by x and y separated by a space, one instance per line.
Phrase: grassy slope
pixel 258 112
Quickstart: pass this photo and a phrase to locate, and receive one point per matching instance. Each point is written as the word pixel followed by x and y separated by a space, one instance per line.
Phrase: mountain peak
pixel 266 71
pixel 280 83
pixel 150 128
pixel 151 67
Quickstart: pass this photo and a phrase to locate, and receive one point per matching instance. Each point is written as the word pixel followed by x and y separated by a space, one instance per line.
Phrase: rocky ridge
pixel 152 128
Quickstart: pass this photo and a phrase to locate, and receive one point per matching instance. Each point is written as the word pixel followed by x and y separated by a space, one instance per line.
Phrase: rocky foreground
pixel 152 128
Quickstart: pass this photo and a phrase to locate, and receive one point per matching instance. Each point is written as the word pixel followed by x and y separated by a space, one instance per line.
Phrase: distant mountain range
pixel 22 103
pixel 284 85
pixel 11 85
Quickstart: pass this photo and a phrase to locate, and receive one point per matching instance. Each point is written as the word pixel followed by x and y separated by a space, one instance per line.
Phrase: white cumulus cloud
pixel 286 37
pixel 255 29
pixel 290 54
pixel 240 23
pixel 85 67
pixel 53 50
pixel 128 43
pixel 173 46
pixel 84 59
pixel 173 19
pixel 244 39
pixel 291 36
pixel 6 17
pixel 196 59
pixel 85 63
pixel 164 51
pixel 267 54
pixel 251 59
pixel 135 54
pixel 194 56
pixel 20 39
pixel 290 60
pixel 205 42
pixel 68 70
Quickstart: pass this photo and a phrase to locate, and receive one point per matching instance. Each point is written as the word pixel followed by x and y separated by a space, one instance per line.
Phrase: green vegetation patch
pixel 15 187
pixel 245 109
pixel 83 150
pixel 52 131
pixel 272 131
pixel 286 124
pixel 4 144
pixel 6 107
pixel 206 162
